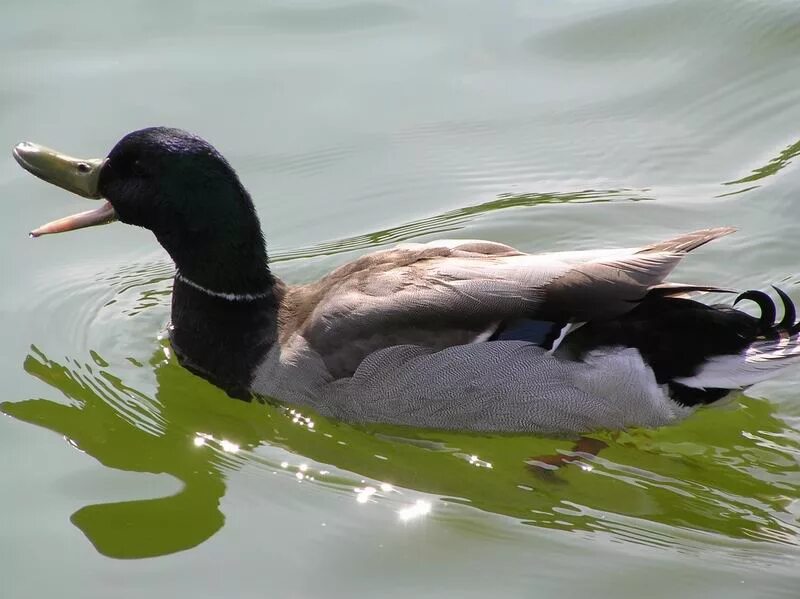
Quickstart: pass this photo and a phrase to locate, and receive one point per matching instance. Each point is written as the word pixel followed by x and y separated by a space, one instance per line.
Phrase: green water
pixel 549 126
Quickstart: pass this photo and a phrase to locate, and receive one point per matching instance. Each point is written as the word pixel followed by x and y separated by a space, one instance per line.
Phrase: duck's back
pixel 450 293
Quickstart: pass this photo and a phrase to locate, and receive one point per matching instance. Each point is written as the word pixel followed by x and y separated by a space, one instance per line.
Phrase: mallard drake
pixel 454 334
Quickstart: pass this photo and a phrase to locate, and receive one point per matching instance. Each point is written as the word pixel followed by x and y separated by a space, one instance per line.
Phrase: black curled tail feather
pixel 789 313
pixel 768 327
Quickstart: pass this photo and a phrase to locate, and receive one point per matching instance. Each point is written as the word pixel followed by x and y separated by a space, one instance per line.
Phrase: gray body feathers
pixel 401 337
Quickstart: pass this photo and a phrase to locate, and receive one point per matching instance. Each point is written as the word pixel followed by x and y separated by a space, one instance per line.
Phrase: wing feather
pixel 449 293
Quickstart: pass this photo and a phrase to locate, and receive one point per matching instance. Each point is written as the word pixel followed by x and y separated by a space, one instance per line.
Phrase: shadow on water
pixel 732 472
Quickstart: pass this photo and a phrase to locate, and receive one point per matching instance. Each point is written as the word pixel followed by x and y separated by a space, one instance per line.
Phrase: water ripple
pixel 452 221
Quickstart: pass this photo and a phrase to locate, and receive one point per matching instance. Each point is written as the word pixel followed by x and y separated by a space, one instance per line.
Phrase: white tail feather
pixel 761 361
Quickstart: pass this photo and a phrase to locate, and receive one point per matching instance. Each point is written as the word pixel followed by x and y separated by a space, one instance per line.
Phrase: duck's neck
pixel 224 311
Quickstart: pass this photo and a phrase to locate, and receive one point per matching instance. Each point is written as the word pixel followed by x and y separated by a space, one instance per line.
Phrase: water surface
pixel 356 125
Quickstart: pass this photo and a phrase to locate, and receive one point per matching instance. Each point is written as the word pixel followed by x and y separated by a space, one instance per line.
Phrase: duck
pixel 466 335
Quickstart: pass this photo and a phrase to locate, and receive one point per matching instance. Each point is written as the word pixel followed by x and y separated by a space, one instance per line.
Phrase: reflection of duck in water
pixel 470 335
pixel 720 472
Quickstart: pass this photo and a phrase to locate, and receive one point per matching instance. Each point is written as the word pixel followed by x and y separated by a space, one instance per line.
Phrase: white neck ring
pixel 231 297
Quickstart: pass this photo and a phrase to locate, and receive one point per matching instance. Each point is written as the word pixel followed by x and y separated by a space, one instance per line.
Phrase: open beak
pixel 73 174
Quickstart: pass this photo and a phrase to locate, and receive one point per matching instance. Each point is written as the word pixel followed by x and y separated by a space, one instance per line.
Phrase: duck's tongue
pixel 73 174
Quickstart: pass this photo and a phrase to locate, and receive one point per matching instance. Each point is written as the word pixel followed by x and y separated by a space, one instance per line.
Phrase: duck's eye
pixel 138 168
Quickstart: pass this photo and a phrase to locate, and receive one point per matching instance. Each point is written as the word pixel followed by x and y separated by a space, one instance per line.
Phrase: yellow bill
pixel 73 174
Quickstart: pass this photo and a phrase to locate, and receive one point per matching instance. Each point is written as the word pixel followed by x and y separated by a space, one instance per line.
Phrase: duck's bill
pixel 73 174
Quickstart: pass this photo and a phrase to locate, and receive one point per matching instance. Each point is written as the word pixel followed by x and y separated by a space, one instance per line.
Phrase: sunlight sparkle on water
pixel 363 495
pixel 476 461
pixel 298 418
pixel 417 510
pixel 201 439
pixel 228 446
